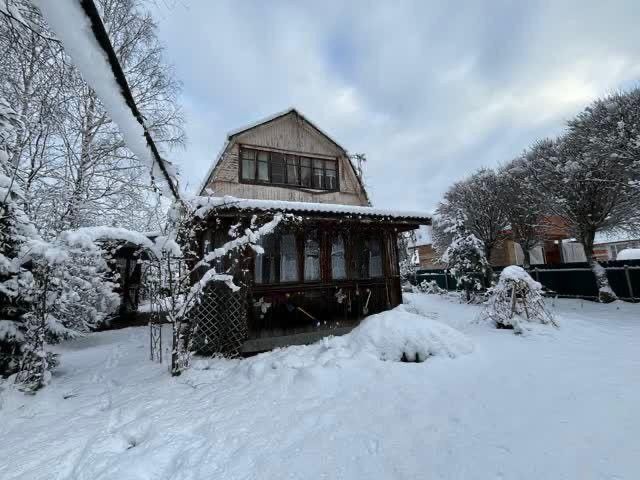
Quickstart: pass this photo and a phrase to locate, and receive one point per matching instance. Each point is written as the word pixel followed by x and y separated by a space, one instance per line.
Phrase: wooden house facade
pixel 334 263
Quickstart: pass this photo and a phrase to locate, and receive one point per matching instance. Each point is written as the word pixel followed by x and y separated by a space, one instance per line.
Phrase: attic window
pixel 277 168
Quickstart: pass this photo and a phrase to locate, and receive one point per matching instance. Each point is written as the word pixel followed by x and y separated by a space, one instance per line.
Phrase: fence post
pixel 629 286
pixel 446 279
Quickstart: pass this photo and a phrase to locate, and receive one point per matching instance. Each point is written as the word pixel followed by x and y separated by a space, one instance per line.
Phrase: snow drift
pixel 401 335
pixel 395 335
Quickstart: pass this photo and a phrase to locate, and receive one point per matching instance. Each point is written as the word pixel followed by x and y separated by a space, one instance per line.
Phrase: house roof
pixel 617 237
pixel 238 131
pixel 207 204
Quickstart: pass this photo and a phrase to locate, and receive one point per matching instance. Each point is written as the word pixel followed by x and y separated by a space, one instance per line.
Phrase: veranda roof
pixel 205 205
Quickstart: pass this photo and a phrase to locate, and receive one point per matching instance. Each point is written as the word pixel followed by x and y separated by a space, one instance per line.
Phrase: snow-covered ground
pixel 552 404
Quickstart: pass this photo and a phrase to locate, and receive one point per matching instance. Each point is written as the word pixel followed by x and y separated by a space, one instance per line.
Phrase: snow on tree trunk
pixel 605 292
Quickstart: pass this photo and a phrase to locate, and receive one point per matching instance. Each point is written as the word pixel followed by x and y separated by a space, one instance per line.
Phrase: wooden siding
pixel 288 133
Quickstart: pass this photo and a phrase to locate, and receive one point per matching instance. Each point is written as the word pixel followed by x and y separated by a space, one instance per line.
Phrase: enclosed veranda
pixel 320 273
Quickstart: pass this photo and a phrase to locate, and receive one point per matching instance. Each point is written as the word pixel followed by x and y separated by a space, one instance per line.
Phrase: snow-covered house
pixel 334 264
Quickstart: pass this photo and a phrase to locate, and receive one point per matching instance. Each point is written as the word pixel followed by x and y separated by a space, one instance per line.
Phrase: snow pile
pixel 395 335
pixel 629 254
pixel 400 335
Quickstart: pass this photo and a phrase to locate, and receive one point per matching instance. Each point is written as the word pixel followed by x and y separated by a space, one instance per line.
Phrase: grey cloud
pixel 430 91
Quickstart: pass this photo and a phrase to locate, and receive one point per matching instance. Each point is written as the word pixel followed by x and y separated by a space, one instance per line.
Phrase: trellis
pixel 219 321
pixel 217 324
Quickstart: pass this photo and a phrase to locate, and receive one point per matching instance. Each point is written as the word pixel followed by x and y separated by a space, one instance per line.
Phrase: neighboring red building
pixel 557 248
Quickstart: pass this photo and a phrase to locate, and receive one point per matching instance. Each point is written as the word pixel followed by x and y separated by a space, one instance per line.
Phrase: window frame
pixel 286 155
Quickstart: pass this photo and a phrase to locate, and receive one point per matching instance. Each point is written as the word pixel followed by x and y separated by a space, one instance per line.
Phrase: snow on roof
pixel 205 204
pixel 608 237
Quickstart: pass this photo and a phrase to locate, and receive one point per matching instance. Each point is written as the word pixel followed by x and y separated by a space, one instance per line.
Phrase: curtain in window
pixel 318 173
pixel 338 270
pixel 265 263
pixel 305 171
pixel 330 180
pixel 263 166
pixel 311 257
pixel 292 170
pixel 248 164
pixel 288 258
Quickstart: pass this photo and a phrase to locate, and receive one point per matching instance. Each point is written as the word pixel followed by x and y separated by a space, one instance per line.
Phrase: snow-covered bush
pixel 431 287
pixel 15 231
pixel 466 259
pixel 517 298
pixel 71 293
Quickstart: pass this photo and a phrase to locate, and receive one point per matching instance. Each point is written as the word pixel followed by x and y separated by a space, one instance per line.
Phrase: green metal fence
pixel 574 280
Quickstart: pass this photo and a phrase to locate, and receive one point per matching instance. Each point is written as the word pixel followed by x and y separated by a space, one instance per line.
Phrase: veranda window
pixel 368 258
pixel 288 258
pixel 375 258
pixel 338 261
pixel 265 263
pixel 311 257
pixel 279 262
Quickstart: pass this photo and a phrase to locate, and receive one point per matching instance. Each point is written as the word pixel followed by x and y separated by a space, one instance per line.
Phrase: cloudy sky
pixel 428 90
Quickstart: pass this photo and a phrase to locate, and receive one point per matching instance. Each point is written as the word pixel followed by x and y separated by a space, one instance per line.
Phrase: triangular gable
pixel 239 132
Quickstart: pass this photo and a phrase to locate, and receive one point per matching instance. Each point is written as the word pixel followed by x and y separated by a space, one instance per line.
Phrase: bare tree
pixel 74 167
pixel 478 198
pixel 591 176
pixel 524 206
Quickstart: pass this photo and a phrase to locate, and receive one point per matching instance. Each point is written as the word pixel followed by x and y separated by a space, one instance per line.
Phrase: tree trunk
pixel 605 293
pixel 488 274
pixel 526 261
